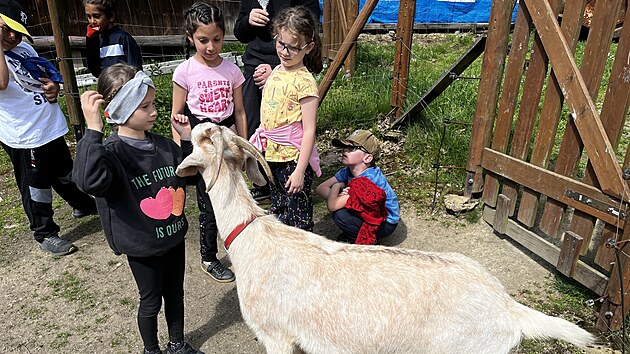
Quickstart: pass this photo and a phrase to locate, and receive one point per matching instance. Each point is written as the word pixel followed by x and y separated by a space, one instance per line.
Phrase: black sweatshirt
pixel 111 47
pixel 260 47
pixel 139 198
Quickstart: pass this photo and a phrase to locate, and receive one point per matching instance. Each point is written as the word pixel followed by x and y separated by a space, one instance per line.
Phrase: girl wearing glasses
pixel 289 114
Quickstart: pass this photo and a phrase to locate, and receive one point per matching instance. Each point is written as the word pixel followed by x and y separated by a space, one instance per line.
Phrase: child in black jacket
pixel 139 198
pixel 106 44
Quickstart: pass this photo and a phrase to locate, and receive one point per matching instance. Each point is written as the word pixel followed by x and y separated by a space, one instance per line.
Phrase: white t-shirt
pixel 27 119
pixel 210 90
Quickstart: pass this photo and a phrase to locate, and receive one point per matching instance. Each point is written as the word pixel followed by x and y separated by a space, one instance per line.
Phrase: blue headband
pixel 128 98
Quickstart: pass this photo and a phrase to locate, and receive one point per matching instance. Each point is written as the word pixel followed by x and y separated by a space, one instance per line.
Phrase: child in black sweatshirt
pixel 139 198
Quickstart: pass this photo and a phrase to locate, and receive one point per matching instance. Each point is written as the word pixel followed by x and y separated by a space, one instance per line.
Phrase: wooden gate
pixel 562 196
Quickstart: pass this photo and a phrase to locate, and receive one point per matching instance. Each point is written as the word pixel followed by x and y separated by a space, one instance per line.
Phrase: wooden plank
pixel 553 184
pixel 402 55
pixel 584 274
pixel 569 253
pixel 593 65
pixel 613 291
pixel 509 97
pixel 532 91
pixel 488 91
pixel 46 42
pixel 602 27
pixel 344 50
pixel 549 116
pixel 500 220
pixel 581 106
pixel 350 63
pixel 326 29
pixel 605 256
pixel 462 63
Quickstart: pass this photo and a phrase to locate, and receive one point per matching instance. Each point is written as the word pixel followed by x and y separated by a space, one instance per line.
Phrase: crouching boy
pixel 363 204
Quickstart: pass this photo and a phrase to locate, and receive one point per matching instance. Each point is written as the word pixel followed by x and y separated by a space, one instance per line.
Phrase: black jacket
pixel 118 47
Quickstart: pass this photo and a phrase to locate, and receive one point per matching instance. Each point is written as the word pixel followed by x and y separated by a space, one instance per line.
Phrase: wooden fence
pixel 562 196
pixel 138 17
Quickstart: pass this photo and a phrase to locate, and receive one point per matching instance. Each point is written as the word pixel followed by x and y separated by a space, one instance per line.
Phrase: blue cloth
pixel 377 177
pixel 38 67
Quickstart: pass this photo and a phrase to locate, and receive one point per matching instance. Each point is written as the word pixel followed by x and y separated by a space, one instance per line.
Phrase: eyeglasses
pixel 290 49
pixel 353 148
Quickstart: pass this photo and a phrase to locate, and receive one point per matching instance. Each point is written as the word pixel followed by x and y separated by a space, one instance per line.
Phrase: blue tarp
pixel 434 11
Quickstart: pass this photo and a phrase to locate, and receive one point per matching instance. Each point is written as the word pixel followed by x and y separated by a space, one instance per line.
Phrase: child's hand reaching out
pixel 181 125
pixel 91 102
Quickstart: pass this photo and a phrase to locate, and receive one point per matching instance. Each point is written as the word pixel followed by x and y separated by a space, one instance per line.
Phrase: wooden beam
pixel 569 253
pixel 488 92
pixel 581 106
pixel 584 273
pixel 475 50
pixel 555 186
pixel 344 50
pixel 56 10
pixel 402 56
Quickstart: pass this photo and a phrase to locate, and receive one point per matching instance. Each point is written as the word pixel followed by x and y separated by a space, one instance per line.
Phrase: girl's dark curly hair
pixel 107 6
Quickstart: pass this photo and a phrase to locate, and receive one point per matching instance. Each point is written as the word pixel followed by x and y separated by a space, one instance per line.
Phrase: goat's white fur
pixel 299 289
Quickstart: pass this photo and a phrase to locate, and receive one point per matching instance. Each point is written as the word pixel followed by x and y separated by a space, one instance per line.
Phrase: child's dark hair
pixel 113 78
pixel 300 22
pixel 107 6
pixel 201 13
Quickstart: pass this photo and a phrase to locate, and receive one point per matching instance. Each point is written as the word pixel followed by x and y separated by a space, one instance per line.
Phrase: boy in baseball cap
pixel 363 204
pixel 14 17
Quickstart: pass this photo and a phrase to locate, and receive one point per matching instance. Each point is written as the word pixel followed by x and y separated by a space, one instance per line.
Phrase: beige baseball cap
pixel 360 138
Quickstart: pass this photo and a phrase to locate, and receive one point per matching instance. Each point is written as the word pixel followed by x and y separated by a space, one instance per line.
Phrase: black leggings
pixel 160 277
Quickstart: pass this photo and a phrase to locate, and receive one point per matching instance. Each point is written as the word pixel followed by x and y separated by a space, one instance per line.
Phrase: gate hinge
pixel 601 206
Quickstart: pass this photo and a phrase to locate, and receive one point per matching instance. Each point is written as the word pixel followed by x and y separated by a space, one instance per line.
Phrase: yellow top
pixel 280 106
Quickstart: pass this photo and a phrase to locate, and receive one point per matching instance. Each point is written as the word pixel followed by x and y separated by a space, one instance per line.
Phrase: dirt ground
pixel 87 302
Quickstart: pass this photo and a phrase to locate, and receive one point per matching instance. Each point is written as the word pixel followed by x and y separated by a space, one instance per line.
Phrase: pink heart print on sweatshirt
pixel 164 203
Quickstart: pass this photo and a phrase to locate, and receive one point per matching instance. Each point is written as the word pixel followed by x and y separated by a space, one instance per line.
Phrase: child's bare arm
pixel 179 103
pixel 181 125
pixel 4 70
pixel 337 200
pixel 309 105
pixel 239 112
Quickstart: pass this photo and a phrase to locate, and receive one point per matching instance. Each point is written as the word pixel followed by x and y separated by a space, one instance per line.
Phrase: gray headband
pixel 128 98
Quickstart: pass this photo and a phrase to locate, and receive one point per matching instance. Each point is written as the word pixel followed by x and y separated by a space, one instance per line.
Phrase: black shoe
pixel 218 271
pixel 57 246
pixel 260 193
pixel 181 348
pixel 154 351
pixel 78 214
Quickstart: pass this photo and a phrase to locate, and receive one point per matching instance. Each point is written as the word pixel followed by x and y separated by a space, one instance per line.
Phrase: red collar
pixel 237 231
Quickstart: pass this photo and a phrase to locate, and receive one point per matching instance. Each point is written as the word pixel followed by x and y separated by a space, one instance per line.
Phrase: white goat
pixel 299 289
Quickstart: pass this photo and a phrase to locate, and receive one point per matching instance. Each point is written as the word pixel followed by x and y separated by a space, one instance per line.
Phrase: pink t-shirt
pixel 210 90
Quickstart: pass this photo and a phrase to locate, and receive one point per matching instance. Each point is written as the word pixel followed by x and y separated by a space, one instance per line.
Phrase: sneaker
pixel 181 348
pixel 260 193
pixel 57 246
pixel 218 271
pixel 78 214
pixel 154 351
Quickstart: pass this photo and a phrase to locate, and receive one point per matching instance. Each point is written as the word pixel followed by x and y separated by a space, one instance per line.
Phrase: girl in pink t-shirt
pixel 207 88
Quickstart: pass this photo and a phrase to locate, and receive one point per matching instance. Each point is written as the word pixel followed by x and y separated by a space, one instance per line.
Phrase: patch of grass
pixel 72 289
pixel 61 340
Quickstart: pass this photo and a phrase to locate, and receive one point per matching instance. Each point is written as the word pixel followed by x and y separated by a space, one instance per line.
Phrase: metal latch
pixel 601 206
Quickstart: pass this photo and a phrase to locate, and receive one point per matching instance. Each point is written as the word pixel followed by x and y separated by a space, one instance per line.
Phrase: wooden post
pixel 56 11
pixel 404 36
pixel 344 50
pixel 488 92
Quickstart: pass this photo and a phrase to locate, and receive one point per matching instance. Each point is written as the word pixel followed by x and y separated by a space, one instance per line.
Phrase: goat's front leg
pixel 276 345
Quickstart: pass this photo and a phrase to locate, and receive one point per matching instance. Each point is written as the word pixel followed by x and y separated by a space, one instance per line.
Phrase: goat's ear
pixel 251 168
pixel 191 165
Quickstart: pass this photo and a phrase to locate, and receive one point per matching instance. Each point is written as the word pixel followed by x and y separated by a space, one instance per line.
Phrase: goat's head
pixel 216 147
